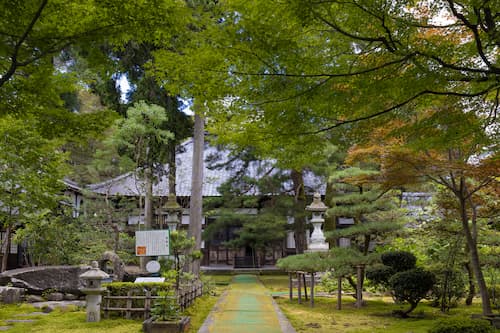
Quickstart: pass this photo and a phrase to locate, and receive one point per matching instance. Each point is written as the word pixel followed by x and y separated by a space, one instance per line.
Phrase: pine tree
pixel 372 212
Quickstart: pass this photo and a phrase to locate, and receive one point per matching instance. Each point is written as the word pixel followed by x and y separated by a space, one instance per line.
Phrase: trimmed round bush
pixel 380 275
pixel 399 260
pixel 462 325
pixel 412 286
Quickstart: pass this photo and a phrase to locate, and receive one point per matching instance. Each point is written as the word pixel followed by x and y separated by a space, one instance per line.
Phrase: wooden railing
pixel 142 300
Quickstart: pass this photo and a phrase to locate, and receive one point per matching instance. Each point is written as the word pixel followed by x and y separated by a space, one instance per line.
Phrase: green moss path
pixel 246 307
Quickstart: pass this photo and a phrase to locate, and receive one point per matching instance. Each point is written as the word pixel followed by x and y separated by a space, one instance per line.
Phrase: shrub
pixel 461 325
pixel 399 260
pixel 380 275
pixel 450 287
pixel 411 286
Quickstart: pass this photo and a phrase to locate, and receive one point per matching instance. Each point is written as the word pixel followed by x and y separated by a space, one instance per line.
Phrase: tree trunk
pixel 472 286
pixel 299 216
pixel 330 221
pixel 474 255
pixel 172 168
pixel 148 209
pixel 6 248
pixel 196 202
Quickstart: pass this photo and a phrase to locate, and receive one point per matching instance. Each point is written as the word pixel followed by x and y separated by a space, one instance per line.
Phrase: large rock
pixel 64 279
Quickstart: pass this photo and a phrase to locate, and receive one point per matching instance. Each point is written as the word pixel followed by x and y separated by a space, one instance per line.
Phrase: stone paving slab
pixel 246 307
pixel 20 321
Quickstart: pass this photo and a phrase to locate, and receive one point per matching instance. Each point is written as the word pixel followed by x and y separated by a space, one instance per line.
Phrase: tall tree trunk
pixel 172 169
pixel 196 203
pixel 474 255
pixel 330 221
pixel 148 200
pixel 6 248
pixel 299 214
pixel 148 209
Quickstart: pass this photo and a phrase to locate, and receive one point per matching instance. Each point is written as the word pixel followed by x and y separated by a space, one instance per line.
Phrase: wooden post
pixel 147 305
pixel 312 290
pixel 305 284
pixel 128 313
pixel 299 288
pixel 290 286
pixel 359 291
pixel 339 293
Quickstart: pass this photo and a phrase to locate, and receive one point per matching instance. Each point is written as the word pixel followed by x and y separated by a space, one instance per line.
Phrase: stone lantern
pixel 93 289
pixel 317 241
pixel 171 212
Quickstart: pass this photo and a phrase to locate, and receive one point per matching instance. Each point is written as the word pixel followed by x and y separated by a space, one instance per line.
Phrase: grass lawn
pixel 375 317
pixel 69 320
pixel 74 319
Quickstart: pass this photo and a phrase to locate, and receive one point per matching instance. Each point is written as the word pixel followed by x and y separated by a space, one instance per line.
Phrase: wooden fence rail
pixel 142 300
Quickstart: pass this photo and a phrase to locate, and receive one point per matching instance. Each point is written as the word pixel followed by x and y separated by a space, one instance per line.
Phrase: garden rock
pixel 11 295
pixel 70 297
pixel 34 298
pixel 112 264
pixel 55 297
pixel 38 279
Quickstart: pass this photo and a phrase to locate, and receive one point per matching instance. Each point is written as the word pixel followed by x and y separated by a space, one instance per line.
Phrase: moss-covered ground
pixel 375 317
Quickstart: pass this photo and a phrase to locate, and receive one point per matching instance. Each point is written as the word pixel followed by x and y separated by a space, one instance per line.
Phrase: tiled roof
pixel 130 185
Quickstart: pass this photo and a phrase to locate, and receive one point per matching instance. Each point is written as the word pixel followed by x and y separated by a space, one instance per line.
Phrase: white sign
pixel 149 279
pixel 152 243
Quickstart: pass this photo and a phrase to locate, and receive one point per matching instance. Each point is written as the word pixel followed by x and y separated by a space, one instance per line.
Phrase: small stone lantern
pixel 317 240
pixel 93 279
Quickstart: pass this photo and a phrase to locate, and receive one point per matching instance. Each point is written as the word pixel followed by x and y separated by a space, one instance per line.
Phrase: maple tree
pixel 457 152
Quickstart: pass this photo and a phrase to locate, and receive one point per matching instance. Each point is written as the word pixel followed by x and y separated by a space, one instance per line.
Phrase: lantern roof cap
pixel 94 273
pixel 171 205
pixel 317 205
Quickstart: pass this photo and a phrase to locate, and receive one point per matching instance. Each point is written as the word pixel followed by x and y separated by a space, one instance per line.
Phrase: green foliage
pixel 50 240
pixel 122 288
pixel 31 187
pixel 140 136
pixel 307 262
pixel 380 275
pixel 450 287
pixel 181 255
pixel 412 286
pixel 462 325
pixel 166 307
pixel 100 229
pixel 399 260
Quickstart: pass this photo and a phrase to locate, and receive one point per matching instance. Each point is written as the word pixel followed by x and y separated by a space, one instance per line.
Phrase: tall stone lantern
pixel 317 241
pixel 93 279
pixel 171 212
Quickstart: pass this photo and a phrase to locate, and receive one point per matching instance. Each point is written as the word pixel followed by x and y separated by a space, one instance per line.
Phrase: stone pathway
pixel 45 306
pixel 246 307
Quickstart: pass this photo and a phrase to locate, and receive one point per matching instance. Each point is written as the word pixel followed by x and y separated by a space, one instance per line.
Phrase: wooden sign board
pixel 151 243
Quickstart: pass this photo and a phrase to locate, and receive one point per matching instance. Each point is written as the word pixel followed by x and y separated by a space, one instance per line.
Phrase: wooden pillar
pixel 290 286
pixel 359 291
pixel 299 288
pixel 339 294
pixel 312 289
pixel 305 284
